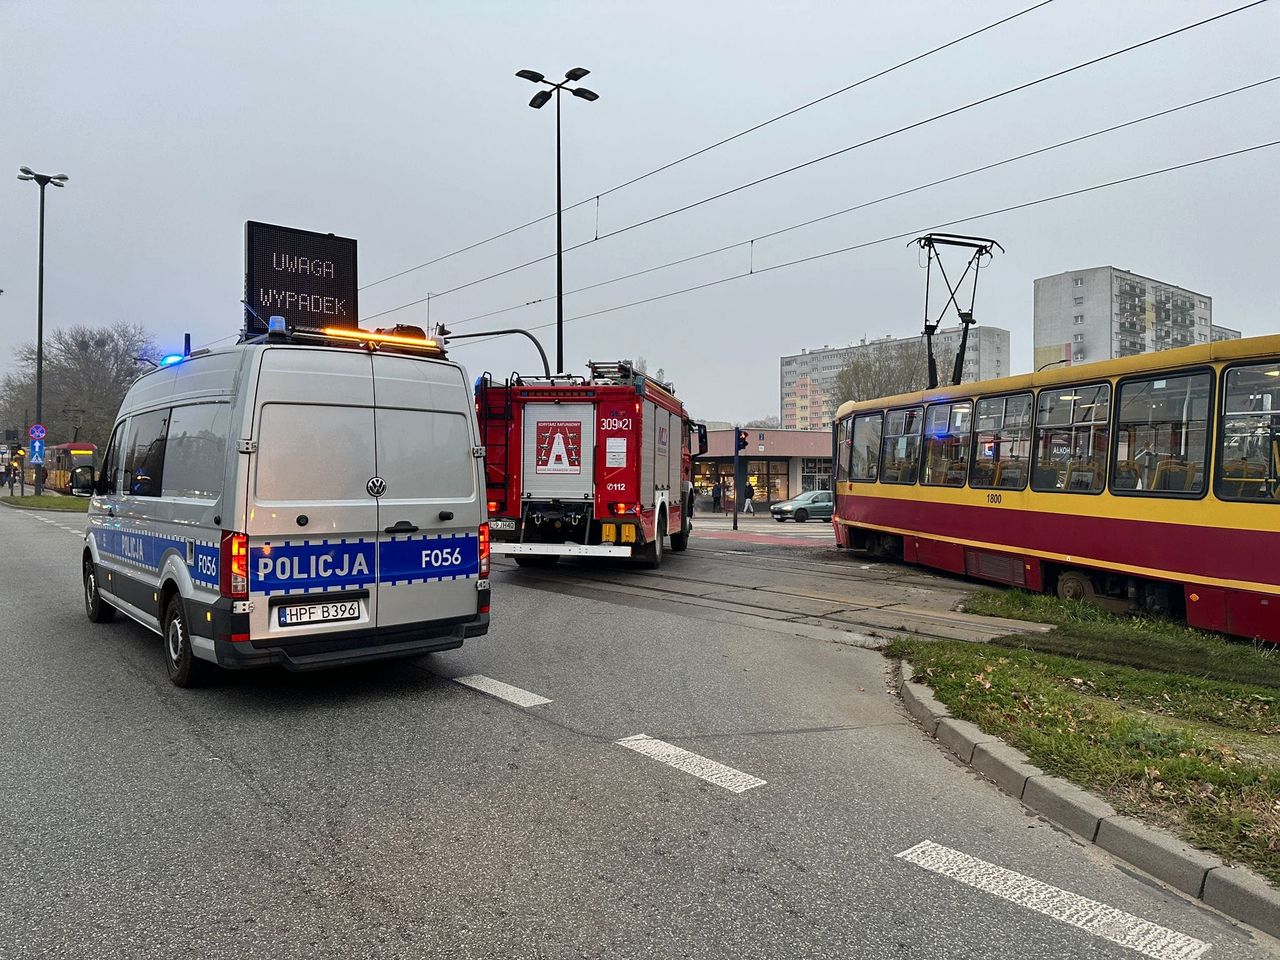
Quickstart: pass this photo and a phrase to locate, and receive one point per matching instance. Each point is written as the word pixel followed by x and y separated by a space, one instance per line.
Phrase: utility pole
pixel 42 180
pixel 737 490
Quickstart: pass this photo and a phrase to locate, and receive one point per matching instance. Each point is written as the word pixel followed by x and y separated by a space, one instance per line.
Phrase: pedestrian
pixel 717 496
pixel 748 493
pixel 12 477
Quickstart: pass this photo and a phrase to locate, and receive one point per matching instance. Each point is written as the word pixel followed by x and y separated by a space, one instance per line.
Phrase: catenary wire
pixel 869 203
pixel 719 143
pixel 899 236
pixel 835 153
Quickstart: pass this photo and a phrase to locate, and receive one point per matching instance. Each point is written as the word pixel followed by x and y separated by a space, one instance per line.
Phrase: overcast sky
pixel 401 124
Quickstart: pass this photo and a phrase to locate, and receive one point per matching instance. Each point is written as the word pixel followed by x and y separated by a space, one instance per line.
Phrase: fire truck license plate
pixel 507 525
pixel 320 612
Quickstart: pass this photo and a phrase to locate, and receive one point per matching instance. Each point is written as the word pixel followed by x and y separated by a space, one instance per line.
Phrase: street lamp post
pixel 538 102
pixel 42 180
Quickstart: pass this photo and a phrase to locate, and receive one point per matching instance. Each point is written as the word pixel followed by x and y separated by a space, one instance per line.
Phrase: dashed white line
pixel 1147 938
pixel 733 780
pixel 503 691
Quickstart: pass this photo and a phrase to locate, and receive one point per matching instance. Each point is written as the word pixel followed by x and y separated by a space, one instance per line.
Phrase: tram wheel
pixel 1075 585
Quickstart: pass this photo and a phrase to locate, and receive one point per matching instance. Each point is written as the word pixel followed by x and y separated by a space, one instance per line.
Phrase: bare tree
pixel 889 368
pixel 764 423
pixel 86 373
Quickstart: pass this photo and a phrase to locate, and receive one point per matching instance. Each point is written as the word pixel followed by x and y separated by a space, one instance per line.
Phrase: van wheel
pixel 185 668
pixel 1075 585
pixel 95 608
pixel 537 559
pixel 653 551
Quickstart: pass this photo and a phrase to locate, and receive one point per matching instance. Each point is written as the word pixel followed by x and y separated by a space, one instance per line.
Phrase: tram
pixel 59 461
pixel 1148 482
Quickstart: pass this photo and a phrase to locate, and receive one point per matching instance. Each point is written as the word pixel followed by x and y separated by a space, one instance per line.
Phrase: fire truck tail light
pixel 622 509
pixel 233 565
pixel 493 506
pixel 484 550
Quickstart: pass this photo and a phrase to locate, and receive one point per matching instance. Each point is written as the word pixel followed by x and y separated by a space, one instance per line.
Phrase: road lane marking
pixel 733 780
pixel 503 691
pixel 1146 937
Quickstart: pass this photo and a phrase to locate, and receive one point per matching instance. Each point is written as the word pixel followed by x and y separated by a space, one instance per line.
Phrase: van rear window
pixel 311 452
pixel 425 455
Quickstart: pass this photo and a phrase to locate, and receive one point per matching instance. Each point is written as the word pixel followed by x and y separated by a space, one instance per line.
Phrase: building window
pixel 1204 304
pixel 815 474
pixel 1077 338
pixel 1078 318
pixel 1162 435
pixel 1078 301
pixel 1078 282
pixel 1003 443
pixel 1072 438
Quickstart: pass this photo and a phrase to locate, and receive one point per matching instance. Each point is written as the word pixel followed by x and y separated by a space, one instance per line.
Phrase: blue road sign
pixel 36 431
pixel 35 452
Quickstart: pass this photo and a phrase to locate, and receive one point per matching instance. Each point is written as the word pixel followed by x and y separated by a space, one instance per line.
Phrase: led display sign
pixel 308 278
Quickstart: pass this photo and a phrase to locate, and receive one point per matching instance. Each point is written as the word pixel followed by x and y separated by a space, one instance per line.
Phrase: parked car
pixel 816 504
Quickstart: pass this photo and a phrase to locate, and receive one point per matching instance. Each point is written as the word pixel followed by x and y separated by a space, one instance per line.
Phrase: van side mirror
pixel 82 480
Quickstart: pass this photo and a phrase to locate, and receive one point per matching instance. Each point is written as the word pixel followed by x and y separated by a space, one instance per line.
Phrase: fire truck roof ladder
pixel 495 406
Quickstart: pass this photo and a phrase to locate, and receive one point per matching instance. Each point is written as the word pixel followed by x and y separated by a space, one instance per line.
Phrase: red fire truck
pixel 600 466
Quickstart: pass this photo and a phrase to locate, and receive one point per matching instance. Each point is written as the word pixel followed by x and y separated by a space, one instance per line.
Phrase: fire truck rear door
pixel 558 453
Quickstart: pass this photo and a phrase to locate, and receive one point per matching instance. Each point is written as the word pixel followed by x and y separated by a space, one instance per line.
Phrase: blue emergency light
pixel 171 358
pixel 275 325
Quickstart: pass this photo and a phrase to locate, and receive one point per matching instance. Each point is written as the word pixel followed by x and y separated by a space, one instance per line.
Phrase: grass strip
pixel 1148 642
pixel 1198 756
pixel 48 502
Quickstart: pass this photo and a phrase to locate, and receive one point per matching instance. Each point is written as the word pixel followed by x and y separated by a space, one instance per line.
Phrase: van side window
pixel 1162 436
pixel 1003 452
pixel 1249 454
pixel 195 458
pixel 144 454
pixel 109 479
pixel 1072 438
pixel 900 462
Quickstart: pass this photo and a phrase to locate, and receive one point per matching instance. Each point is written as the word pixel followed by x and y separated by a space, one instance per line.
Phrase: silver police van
pixel 301 500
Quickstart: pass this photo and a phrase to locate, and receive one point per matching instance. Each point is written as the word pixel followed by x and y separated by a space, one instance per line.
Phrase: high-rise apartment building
pixel 1100 313
pixel 808 378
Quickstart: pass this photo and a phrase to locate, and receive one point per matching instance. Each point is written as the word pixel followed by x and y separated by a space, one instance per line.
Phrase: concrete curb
pixel 1236 891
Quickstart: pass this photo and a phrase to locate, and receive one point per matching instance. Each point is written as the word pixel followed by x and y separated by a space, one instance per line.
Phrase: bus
pixel 1148 482
pixel 59 461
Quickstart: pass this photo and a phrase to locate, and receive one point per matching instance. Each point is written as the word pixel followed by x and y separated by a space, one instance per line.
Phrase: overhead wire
pixel 870 203
pixel 840 152
pixel 903 235
pixel 719 143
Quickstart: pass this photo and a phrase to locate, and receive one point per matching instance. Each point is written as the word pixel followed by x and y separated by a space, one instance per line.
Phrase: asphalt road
pixel 391 811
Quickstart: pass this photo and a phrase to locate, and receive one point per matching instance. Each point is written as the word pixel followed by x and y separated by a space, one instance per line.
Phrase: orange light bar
pixel 364 336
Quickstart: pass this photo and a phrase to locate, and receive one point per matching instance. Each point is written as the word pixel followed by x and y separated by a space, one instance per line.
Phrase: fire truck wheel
pixel 680 541
pixel 537 560
pixel 653 551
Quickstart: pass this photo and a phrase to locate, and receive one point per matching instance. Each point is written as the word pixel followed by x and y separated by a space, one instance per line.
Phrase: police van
pixel 303 499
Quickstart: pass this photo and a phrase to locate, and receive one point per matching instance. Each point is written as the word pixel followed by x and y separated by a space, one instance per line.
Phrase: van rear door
pixel 430 512
pixel 312 522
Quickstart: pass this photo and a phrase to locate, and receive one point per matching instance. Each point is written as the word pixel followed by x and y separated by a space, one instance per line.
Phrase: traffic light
pixel 742 440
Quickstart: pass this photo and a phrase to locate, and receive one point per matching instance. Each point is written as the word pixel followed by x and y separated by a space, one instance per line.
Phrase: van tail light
pixel 484 550
pixel 233 566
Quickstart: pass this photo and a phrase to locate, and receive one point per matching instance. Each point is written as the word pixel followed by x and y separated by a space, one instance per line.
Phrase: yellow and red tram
pixel 59 461
pixel 1151 481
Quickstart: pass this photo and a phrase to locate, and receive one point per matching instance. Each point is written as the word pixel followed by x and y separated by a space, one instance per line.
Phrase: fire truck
pixel 600 466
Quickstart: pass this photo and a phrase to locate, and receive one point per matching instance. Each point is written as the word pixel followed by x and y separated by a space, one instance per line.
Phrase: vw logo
pixel 376 487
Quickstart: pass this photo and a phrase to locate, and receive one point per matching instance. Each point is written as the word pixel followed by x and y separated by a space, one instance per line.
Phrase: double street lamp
pixel 42 180
pixel 540 100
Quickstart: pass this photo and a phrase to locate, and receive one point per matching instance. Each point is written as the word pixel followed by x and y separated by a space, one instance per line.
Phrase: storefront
pixel 778 464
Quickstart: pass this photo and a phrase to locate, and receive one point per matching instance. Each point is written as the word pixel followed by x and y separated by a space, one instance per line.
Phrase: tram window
pixel 1072 437
pixel 1002 447
pixel 196 452
pixel 1249 455
pixel 900 459
pixel 946 443
pixel 1162 436
pixel 843 451
pixel 865 446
